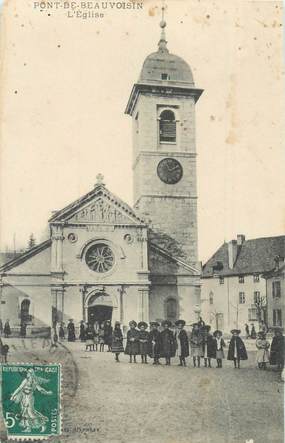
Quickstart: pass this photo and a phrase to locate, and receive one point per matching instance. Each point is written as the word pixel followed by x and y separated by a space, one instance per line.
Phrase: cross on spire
pixel 100 179
pixel 162 42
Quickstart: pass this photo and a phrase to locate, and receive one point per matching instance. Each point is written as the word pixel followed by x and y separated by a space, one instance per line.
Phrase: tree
pixel 32 241
pixel 260 303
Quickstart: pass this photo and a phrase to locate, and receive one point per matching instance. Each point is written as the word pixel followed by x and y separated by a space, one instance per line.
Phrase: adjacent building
pixel 233 291
pixel 275 292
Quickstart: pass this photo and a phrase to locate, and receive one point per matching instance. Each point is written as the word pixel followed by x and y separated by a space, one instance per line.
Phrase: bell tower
pixel 162 107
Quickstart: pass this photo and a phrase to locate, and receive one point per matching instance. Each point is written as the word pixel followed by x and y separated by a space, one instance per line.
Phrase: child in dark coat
pixel 219 344
pixel 132 348
pixel 208 346
pixel 277 349
pixel 71 331
pixel 108 333
pixel 61 332
pixel 82 334
pixel 7 329
pixel 237 350
pixel 143 341
pixel 182 342
pixel 117 341
pixel 4 349
pixel 154 343
pixel 168 343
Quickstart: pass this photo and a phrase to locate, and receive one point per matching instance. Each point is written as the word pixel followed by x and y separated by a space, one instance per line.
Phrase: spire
pixel 162 42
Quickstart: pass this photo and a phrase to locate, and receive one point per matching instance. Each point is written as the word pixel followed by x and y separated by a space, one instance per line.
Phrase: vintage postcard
pixel 142 239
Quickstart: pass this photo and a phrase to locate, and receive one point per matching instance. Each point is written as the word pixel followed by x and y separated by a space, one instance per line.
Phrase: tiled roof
pixel 254 256
pixel 16 261
pixel 7 256
pixel 275 272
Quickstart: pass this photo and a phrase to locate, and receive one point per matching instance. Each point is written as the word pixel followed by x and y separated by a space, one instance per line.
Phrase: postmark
pixel 31 395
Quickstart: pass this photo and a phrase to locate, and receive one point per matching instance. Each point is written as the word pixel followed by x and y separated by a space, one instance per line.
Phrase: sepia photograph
pixel 142 221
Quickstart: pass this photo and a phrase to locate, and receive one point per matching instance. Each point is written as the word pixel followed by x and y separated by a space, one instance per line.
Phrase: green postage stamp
pixel 31 400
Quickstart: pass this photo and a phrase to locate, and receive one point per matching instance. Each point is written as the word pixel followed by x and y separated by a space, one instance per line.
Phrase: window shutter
pixel 167 131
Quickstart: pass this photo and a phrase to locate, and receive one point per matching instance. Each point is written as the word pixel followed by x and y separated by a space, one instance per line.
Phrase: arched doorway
pixel 99 308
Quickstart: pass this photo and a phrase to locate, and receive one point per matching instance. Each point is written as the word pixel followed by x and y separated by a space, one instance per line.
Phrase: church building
pixel 107 260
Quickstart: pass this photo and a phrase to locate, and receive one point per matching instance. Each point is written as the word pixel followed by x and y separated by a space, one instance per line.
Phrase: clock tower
pixel 162 107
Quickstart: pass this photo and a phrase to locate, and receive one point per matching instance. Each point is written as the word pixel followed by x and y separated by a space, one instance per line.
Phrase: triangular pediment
pixel 101 211
pixel 98 206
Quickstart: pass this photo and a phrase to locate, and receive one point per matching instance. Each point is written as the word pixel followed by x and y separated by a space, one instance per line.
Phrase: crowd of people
pixel 165 341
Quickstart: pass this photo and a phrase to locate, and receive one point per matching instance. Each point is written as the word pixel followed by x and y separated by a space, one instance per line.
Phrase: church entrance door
pixel 99 313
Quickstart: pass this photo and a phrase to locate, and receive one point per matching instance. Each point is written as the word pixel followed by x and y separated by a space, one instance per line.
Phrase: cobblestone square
pixel 105 401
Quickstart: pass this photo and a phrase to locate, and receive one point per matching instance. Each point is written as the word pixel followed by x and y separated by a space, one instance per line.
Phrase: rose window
pixel 100 258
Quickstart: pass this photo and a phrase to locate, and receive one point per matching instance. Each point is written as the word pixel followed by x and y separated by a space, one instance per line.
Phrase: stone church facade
pixel 106 260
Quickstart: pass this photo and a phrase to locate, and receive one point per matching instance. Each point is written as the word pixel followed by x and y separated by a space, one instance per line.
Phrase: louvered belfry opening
pixel 167 127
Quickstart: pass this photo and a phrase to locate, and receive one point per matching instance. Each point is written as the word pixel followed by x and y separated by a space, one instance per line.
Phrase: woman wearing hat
pixel 154 342
pixel 208 346
pixel 70 331
pixel 277 349
pixel 168 342
pixel 61 332
pixel 143 340
pixel 237 350
pixel 196 344
pixel 117 341
pixel 219 344
pixel 132 348
pixel 182 342
pixel 262 356
pixel 82 331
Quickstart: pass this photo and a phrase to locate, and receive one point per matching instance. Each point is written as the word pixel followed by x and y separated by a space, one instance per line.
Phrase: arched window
pixel 167 127
pixel 171 309
pixel 211 298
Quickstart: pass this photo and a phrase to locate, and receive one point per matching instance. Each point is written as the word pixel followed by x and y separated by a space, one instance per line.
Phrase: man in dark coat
pixel 237 350
pixel 154 342
pixel 143 340
pixel 168 342
pixel 277 349
pixel 208 346
pixel 132 347
pixel 70 331
pixel 253 332
pixel 182 342
pixel 7 329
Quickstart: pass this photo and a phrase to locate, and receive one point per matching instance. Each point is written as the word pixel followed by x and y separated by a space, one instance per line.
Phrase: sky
pixel 65 82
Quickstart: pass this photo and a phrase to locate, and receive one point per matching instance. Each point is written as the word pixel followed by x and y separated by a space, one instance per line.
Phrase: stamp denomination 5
pixel 31 400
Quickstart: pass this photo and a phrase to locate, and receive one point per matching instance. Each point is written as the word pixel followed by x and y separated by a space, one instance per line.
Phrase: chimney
pixel 232 251
pixel 240 239
pixel 279 261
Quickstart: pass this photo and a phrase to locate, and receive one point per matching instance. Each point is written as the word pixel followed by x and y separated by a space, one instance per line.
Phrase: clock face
pixel 169 171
